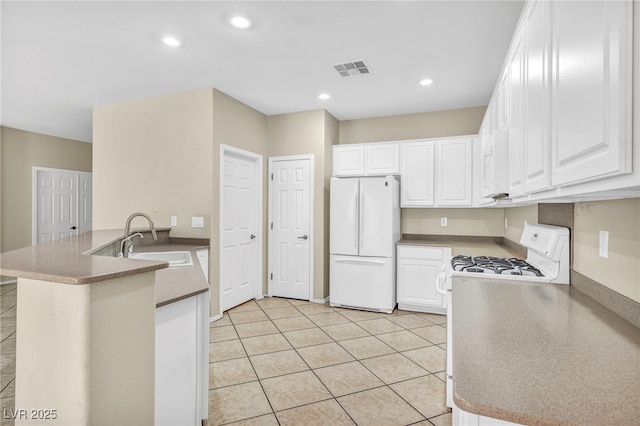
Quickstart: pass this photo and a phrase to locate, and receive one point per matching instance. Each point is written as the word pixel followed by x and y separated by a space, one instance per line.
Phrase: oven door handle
pixel 440 286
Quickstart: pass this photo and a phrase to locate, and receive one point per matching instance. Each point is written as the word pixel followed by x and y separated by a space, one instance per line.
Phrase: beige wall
pixel 621 271
pixel 20 151
pixel 331 136
pixel 306 133
pixel 457 122
pixel 238 125
pixel 477 222
pixel 515 217
pixel 154 156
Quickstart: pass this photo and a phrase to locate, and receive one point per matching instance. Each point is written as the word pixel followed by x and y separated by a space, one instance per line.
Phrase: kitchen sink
pixel 175 258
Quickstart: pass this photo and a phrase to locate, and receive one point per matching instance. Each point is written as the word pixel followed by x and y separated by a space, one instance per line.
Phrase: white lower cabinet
pixel 182 361
pixel 418 270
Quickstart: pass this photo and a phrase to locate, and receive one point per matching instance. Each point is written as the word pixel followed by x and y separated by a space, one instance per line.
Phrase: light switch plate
pixel 174 220
pixel 603 246
pixel 443 221
pixel 197 222
pixel 506 222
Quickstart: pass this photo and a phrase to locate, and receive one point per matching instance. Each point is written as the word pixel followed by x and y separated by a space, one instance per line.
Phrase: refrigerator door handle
pixel 361 216
pixel 360 261
pixel 355 216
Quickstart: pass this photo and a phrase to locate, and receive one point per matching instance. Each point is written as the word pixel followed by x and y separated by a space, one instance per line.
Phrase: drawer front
pixel 420 252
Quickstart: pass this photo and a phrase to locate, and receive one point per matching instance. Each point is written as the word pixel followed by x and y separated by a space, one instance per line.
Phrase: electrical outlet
pixel 443 221
pixel 603 246
pixel 197 222
pixel 174 220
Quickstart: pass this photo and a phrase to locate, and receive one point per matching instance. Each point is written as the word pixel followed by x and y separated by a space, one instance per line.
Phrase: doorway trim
pixel 257 160
pixel 270 249
pixel 34 196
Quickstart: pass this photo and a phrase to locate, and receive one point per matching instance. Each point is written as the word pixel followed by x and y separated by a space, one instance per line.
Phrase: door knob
pixel 74 227
pixel 253 237
pixel 304 237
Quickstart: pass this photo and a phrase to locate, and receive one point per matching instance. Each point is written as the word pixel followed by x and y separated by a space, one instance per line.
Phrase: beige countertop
pixel 542 354
pixel 471 248
pixel 67 261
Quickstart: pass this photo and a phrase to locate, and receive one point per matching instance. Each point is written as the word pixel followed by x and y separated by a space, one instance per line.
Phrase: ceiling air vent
pixel 352 68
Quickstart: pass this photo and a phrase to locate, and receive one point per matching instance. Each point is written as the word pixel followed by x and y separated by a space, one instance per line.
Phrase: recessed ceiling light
pixel 425 82
pixel 240 21
pixel 324 96
pixel 172 41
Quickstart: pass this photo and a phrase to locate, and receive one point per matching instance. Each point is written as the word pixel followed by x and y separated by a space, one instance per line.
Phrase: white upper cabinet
pixel 382 159
pixel 516 117
pixel 416 186
pixel 366 160
pixel 454 172
pixel 591 90
pixel 536 132
pixel 348 160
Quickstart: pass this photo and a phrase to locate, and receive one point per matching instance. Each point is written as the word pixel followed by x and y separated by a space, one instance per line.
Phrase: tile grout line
pixel 333 340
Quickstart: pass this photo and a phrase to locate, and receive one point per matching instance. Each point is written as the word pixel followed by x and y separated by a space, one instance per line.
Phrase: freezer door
pixel 379 216
pixel 343 236
pixel 363 282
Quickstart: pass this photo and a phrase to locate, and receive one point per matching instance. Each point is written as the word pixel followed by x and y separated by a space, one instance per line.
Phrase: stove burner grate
pixel 494 265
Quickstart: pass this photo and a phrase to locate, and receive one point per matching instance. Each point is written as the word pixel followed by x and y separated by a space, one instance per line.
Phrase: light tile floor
pixel 289 362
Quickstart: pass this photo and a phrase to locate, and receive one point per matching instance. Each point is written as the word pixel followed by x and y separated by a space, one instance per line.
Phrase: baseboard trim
pixel 621 305
pixel 216 318
pixel 320 301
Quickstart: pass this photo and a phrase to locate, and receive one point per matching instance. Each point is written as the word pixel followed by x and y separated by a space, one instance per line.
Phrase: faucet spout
pixel 127 228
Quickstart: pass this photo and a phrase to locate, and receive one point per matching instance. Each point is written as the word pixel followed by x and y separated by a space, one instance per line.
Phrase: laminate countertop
pixel 69 261
pixel 487 247
pixel 542 354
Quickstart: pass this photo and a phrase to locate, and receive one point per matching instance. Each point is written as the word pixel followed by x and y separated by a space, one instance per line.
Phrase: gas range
pixel 547 258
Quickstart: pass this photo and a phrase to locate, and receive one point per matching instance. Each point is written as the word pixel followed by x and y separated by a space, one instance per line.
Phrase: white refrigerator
pixel 364 229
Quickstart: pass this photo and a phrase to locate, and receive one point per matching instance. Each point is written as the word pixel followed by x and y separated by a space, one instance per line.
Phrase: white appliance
pixel 364 229
pixel 547 261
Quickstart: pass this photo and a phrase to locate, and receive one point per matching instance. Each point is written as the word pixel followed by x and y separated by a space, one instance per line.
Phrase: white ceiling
pixel 59 59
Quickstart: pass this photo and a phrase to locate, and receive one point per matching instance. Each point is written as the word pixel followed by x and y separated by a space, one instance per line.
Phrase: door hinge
pixel 272 277
pixel 271 225
pixel 271 176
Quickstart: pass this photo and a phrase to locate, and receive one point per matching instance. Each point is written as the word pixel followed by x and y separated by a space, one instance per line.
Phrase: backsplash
pixel 475 222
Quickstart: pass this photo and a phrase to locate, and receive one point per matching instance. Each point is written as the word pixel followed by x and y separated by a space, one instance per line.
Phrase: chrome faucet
pixel 127 245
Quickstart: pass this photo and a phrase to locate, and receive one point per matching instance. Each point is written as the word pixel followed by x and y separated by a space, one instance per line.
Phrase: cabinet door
pixel 591 90
pixel 417 172
pixel 348 160
pixel 536 136
pixel 487 167
pixel 418 269
pixel 382 160
pixel 454 172
pixel 516 118
pixel 503 106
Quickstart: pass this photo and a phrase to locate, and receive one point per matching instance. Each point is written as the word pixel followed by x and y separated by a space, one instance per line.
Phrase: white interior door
pixel 239 230
pixel 291 225
pixel 61 203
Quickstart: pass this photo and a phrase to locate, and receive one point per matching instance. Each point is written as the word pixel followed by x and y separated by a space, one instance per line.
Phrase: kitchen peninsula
pixel 87 325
